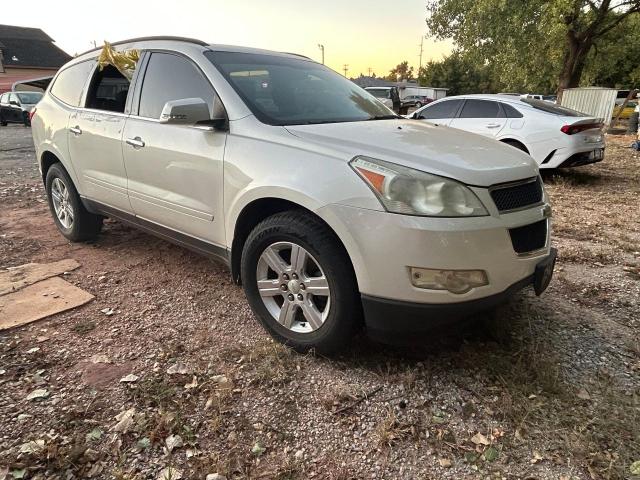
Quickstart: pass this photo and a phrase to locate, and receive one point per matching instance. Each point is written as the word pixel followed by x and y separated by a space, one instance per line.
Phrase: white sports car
pixel 554 136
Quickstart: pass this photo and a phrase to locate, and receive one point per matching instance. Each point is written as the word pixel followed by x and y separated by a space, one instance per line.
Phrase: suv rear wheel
pixel 300 284
pixel 69 215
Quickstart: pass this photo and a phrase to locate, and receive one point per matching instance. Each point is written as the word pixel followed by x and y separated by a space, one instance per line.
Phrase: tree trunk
pixel 573 63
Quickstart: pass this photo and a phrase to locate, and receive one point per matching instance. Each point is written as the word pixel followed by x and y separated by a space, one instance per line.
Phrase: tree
pixel 530 42
pixel 402 71
pixel 459 74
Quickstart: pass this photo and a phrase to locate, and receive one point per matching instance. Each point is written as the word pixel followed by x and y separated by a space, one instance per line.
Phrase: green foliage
pixel 402 71
pixel 536 45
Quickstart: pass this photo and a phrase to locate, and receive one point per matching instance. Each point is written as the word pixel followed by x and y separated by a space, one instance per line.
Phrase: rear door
pixel 485 117
pixel 175 171
pixel 95 138
pixel 441 113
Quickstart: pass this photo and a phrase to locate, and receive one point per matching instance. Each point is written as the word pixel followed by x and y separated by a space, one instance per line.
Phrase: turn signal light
pixel 455 281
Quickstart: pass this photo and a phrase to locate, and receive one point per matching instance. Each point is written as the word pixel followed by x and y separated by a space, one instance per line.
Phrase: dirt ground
pixel 546 388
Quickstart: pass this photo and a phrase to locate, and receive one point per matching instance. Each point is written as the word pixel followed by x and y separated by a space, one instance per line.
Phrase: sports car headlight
pixel 412 192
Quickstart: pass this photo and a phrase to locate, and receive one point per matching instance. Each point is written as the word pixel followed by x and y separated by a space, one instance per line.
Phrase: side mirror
pixel 189 111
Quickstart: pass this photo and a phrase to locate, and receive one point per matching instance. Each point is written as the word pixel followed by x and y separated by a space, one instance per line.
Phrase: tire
pixel 80 225
pixel 517 145
pixel 340 310
pixel 25 119
pixel 418 104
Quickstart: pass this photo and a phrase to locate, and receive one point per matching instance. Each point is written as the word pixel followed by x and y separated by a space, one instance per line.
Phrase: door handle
pixel 135 142
pixel 493 125
pixel 76 130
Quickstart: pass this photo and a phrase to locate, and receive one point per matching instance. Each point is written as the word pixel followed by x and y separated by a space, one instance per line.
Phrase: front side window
pixel 29 98
pixel 172 77
pixel 70 82
pixel 481 109
pixel 108 90
pixel 281 90
pixel 444 109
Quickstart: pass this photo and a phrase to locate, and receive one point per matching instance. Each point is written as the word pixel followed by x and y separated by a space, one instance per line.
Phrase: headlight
pixel 412 192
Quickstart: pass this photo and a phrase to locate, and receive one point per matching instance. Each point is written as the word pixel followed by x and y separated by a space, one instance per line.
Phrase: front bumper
pixel 383 246
pixel 390 321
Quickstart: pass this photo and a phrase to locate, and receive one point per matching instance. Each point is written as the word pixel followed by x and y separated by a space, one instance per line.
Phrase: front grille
pixel 513 197
pixel 529 238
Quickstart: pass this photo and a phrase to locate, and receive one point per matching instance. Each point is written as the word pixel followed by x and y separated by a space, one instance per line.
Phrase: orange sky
pixel 360 33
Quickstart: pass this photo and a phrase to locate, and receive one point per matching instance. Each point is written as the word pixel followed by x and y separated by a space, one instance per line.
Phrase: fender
pixel 49 147
pixel 324 212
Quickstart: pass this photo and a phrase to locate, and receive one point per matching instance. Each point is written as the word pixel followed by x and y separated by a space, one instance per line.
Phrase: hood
pixel 448 152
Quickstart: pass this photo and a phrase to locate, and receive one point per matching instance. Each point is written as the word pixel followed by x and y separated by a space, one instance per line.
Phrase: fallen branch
pixel 358 400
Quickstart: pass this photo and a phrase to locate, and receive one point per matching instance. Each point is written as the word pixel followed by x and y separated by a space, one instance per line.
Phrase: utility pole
pixel 369 71
pixel 421 50
pixel 321 47
pixel 345 68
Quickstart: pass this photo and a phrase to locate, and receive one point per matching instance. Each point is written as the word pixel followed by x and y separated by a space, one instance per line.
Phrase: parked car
pixel 550 98
pixel 554 136
pixel 416 101
pixel 329 209
pixel 15 107
pixel 389 96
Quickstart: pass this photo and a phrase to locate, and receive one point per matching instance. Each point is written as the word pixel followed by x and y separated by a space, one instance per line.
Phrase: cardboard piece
pixel 15 278
pixel 40 300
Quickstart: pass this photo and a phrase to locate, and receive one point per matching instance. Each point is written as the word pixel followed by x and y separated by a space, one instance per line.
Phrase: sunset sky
pixel 360 33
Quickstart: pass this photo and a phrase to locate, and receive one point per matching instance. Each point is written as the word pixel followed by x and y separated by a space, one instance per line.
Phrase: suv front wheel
pixel 300 284
pixel 69 214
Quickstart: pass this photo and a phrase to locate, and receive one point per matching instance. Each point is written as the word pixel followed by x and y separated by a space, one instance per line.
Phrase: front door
pixel 439 113
pixel 175 171
pixel 95 139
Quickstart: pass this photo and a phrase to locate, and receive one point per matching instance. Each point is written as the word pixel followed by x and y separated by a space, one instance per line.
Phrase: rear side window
pixel 171 77
pixel 108 90
pixel 510 111
pixel 481 109
pixel 70 82
pixel 444 109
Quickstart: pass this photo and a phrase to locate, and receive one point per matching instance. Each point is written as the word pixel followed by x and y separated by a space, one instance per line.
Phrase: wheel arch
pixel 50 156
pixel 259 209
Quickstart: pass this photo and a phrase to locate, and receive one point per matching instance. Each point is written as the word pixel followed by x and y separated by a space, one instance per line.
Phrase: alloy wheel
pixel 61 203
pixel 293 287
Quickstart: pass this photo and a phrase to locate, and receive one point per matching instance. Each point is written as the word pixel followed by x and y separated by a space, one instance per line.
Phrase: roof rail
pixel 161 37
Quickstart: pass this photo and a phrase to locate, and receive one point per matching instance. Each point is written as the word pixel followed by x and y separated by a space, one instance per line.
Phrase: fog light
pixel 455 281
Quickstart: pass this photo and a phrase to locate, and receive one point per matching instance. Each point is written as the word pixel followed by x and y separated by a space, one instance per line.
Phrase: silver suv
pixel 330 210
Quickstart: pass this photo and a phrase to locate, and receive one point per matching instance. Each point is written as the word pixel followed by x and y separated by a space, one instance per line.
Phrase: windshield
pixel 552 108
pixel 291 91
pixel 29 98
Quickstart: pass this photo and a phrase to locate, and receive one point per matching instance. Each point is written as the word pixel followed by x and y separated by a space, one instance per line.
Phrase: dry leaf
pixel 480 439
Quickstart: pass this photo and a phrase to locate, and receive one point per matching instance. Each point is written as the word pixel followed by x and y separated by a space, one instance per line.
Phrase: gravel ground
pixel 544 388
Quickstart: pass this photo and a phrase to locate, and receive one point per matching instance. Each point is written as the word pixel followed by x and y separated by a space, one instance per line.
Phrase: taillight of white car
pixel 573 129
